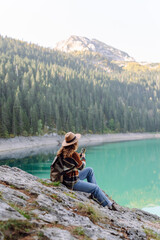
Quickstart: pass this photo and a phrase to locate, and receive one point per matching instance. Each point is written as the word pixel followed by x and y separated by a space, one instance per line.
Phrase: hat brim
pixel 77 135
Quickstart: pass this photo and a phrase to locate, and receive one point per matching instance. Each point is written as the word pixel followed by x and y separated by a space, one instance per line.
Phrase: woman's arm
pixel 80 162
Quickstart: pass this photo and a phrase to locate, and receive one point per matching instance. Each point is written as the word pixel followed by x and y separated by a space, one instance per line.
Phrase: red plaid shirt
pixel 72 176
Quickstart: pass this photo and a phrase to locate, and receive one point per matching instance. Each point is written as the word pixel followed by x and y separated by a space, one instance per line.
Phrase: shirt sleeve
pixel 80 163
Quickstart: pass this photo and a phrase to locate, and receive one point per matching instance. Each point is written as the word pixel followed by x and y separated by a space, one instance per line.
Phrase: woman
pixel 73 164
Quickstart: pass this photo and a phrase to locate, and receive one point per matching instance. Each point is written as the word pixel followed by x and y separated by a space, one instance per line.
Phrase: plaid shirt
pixel 72 176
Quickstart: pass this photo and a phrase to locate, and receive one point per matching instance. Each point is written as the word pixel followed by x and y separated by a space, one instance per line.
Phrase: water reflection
pixel 38 165
pixel 23 153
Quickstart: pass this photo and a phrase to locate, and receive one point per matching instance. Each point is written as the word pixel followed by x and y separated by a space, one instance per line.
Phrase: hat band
pixel 71 140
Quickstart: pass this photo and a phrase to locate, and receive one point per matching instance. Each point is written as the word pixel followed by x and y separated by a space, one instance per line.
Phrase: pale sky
pixel 132 26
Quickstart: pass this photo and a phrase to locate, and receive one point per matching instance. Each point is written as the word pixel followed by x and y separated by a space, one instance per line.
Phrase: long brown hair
pixel 67 151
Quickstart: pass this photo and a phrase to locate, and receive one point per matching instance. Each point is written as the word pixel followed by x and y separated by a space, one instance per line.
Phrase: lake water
pixel 129 172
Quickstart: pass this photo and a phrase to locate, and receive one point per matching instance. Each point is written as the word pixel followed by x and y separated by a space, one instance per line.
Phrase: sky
pixel 132 26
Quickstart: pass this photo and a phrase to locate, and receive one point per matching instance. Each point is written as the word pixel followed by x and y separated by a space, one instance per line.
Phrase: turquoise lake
pixel 129 172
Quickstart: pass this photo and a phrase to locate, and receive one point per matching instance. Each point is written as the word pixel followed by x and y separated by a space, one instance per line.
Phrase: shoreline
pixel 23 146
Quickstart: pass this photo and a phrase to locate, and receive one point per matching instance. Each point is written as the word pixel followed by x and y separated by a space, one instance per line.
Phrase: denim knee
pixel 91 170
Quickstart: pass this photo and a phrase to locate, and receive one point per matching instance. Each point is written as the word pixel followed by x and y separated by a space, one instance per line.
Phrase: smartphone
pixel 83 150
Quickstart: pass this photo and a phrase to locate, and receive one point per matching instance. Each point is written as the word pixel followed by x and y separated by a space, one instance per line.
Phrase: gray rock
pixel 146 215
pixel 13 196
pixel 46 217
pixel 45 202
pixel 97 233
pixel 57 234
pixel 16 177
pixel 76 43
pixel 64 216
pixel 59 205
pixel 7 212
pixel 21 179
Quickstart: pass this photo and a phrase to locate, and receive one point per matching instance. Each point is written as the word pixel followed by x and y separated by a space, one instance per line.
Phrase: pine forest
pixel 45 91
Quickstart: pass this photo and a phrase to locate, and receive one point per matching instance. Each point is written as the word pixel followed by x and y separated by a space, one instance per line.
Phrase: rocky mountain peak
pixel 76 43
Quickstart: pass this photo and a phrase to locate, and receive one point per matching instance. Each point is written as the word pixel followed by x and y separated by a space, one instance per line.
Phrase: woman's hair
pixel 67 151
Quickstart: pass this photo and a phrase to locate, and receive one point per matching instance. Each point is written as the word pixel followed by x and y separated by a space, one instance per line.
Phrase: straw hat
pixel 71 138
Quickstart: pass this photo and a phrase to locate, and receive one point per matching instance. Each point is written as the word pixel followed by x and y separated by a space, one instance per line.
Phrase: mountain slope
pixel 42 91
pixel 76 43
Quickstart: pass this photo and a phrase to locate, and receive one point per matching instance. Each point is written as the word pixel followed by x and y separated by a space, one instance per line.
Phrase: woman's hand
pixel 83 155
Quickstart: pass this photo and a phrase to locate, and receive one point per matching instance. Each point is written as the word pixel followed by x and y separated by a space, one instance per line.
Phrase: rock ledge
pixel 32 208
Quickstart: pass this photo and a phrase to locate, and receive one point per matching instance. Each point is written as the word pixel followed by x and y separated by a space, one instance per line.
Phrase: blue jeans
pixel 91 187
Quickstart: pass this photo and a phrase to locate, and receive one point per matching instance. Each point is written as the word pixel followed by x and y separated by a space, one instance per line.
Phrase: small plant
pixel 1 197
pixel 22 197
pixel 24 213
pixel 54 196
pixel 21 211
pixel 34 203
pixel 12 186
pixel 43 208
pixel 138 218
pixel 41 236
pixel 55 184
pixel 89 211
pixel 51 184
pixel 72 195
pixel 15 229
pixel 151 234
pixel 78 231
pixel 57 198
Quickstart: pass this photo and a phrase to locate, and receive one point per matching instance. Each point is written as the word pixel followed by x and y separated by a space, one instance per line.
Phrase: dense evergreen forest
pixel 44 91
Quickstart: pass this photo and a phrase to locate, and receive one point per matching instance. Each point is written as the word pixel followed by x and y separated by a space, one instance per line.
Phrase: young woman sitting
pixel 75 171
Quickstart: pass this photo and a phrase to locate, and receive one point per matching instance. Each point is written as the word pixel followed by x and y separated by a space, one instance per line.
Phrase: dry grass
pixel 88 210
pixel 16 229
pixel 151 234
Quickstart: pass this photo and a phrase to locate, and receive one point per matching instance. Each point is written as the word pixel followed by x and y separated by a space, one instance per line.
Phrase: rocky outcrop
pixel 32 208
pixel 76 43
